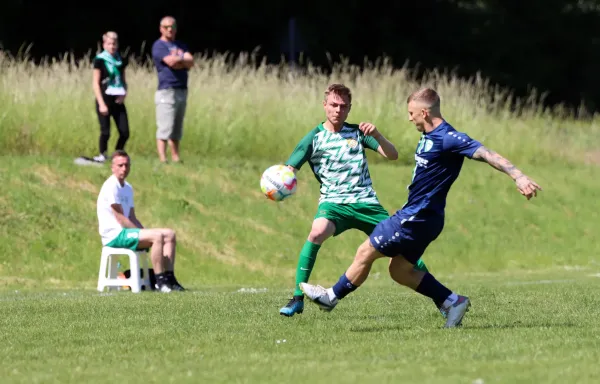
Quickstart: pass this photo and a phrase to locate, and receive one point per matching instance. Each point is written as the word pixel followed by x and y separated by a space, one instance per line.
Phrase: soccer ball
pixel 278 182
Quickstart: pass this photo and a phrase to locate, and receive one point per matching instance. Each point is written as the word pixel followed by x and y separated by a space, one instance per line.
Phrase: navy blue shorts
pixel 406 235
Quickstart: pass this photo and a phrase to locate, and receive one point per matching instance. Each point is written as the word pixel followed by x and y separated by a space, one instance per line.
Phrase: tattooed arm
pixel 525 185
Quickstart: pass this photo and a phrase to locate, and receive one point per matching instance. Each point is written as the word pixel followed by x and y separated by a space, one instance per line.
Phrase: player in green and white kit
pixel 335 151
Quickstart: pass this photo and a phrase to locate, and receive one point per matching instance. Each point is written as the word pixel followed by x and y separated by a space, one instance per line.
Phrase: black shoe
pixel 177 287
pixel 175 284
pixel 163 287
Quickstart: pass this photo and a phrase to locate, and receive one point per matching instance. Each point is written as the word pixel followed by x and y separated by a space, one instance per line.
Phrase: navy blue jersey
pixel 439 158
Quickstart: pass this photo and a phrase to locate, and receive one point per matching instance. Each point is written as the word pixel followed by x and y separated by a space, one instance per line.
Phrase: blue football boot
pixel 295 305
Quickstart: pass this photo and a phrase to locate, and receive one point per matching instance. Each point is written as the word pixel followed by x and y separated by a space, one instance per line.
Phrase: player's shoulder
pixel 450 133
pixel 452 137
pixel 316 130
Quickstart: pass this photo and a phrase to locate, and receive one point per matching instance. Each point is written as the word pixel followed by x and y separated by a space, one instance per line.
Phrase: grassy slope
pixel 230 235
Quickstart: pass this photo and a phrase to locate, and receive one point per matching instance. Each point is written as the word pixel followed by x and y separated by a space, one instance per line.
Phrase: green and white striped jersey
pixel 339 162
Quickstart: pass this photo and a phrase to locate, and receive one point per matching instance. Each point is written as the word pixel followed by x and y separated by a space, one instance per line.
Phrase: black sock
pixel 433 289
pixel 299 298
pixel 161 278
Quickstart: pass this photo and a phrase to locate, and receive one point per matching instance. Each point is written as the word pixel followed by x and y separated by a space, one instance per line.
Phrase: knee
pixel 317 236
pixel 366 253
pixel 170 236
pixel 157 237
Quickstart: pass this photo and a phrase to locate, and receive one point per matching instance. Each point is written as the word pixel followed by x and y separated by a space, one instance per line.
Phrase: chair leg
pixel 102 271
pixel 136 283
pixel 112 272
pixel 144 263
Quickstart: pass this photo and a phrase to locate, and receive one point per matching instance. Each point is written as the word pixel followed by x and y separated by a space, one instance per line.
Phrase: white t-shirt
pixel 112 193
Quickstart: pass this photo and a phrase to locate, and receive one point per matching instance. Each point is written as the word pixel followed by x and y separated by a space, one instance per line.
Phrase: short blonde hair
pixel 427 96
pixel 110 35
pixel 340 90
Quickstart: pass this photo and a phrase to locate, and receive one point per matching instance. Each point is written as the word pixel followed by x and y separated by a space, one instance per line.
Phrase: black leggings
pixel 119 114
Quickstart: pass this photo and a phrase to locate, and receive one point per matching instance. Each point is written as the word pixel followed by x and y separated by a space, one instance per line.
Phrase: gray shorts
pixel 170 110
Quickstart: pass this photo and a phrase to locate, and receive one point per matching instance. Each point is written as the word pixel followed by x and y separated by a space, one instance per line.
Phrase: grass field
pixel 531 268
pixel 518 331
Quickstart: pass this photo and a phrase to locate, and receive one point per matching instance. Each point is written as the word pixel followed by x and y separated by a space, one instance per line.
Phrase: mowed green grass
pixel 519 330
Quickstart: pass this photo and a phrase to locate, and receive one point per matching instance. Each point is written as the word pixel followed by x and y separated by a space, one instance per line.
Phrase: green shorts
pixel 128 238
pixel 359 216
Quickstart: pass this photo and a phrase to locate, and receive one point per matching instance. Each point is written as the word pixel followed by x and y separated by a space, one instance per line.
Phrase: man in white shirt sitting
pixel 120 228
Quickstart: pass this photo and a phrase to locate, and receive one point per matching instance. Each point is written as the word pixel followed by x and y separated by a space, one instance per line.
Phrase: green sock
pixel 306 262
pixel 420 266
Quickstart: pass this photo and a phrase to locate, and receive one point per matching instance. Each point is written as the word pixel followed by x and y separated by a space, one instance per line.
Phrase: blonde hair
pixel 427 96
pixel 340 90
pixel 110 35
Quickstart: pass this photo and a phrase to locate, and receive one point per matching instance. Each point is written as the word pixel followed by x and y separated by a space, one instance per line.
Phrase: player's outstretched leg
pixel 455 306
pixel 321 230
pixel 420 266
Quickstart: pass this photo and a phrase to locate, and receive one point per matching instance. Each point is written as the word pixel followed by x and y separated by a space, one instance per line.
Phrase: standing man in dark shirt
pixel 173 61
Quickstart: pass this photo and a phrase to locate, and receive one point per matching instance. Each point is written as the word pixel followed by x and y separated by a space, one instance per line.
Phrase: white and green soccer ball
pixel 278 182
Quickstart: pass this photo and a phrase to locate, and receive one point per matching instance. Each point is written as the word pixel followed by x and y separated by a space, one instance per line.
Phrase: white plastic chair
pixel 107 276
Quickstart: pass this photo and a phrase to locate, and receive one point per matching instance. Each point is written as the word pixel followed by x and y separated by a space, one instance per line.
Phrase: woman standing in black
pixel 110 89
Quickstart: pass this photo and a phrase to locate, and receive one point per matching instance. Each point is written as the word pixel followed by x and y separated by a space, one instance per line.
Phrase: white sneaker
pixel 456 312
pixel 99 159
pixel 164 288
pixel 319 296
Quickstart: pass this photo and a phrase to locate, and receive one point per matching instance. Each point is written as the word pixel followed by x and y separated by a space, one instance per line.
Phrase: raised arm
pixel 382 145
pixel 525 185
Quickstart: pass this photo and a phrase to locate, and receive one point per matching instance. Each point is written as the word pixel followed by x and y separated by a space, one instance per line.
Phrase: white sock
pixel 331 295
pixel 450 300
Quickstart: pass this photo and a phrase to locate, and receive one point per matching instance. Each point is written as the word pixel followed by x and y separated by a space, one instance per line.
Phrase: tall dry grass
pixel 239 106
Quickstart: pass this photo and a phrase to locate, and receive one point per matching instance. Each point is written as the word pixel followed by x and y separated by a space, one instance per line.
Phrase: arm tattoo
pixel 495 160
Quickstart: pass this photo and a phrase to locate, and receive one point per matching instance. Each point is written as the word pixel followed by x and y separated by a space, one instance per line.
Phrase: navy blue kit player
pixel 404 236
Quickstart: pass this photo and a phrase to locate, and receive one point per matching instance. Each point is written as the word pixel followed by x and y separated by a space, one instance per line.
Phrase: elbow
pixel 392 154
